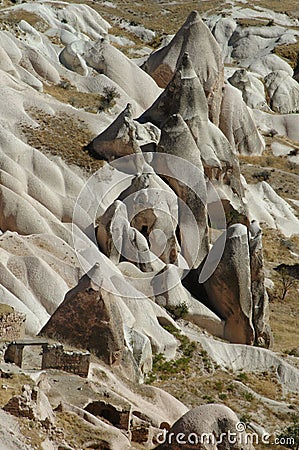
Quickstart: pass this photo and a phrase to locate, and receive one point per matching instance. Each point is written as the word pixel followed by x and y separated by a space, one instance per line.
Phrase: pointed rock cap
pixel 118 139
pixel 195 38
pixel 176 139
pixel 184 95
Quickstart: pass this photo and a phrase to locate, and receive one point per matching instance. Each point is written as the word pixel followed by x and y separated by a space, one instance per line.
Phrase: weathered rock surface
pixel 117 239
pixel 229 288
pixel 184 95
pixel 252 88
pixel 176 139
pixel 10 434
pixel 237 123
pixel 283 92
pixel 106 59
pixel 102 329
pixel 215 421
pixel 175 296
pixel 33 404
pixel 267 206
pixel 249 359
pixel 194 38
pixel 123 137
pixel 260 311
pixel 153 211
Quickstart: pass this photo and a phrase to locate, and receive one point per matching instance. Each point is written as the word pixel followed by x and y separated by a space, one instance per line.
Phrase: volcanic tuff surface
pixel 148 187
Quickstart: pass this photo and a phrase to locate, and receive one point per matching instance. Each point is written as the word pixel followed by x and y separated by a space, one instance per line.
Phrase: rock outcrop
pixel 283 92
pixel 238 125
pixel 184 95
pixel 123 137
pixel 204 426
pixel 229 288
pixel 102 328
pixel 194 38
pixel 32 404
pixel 252 88
pixel 260 316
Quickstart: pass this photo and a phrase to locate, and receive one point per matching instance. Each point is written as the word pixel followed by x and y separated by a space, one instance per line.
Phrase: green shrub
pixel 179 311
pixel 289 437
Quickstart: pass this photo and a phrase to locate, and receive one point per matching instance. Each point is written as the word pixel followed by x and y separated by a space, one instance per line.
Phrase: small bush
pixel 289 437
pixel 262 175
pixel 109 96
pixel 180 311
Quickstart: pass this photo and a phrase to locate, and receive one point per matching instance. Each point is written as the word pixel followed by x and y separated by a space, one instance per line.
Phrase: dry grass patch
pixel 289 52
pixel 66 93
pixel 77 431
pixel 287 6
pixel 252 22
pixel 284 323
pixel 12 18
pixel 61 135
pixel 277 247
pixel 11 385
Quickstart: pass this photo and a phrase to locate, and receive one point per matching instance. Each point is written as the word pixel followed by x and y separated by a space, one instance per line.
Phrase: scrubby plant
pixel 262 175
pixel 162 368
pixel 109 96
pixel 286 282
pixel 289 437
pixel 179 311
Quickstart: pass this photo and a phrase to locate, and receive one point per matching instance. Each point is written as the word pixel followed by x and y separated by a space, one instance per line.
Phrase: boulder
pixel 153 210
pixel 117 239
pixel 140 346
pixel 229 287
pixel 283 124
pixel 195 38
pixel 222 29
pixel 205 427
pixel 250 43
pixel 283 92
pixel 71 57
pixel 265 205
pixel 269 63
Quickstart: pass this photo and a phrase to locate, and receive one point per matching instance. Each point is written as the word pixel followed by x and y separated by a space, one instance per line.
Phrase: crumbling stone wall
pixel 3 348
pixel 12 324
pixel 55 357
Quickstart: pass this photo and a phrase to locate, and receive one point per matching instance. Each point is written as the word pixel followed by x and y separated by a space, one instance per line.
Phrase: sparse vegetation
pixel 61 135
pixel 289 437
pixel 163 369
pixel 66 93
pixel 288 52
pixel 179 311
pixel 108 100
pixel 286 281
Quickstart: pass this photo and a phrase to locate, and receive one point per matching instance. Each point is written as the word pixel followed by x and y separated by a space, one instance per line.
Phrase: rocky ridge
pixel 137 214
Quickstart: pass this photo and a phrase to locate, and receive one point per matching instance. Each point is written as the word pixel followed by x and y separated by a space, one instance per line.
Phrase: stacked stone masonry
pixel 12 324
pixel 55 357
